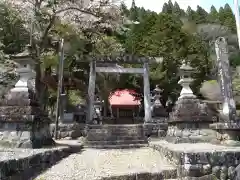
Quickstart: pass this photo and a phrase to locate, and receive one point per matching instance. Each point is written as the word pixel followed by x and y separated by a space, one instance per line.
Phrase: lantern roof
pixel 185 66
pixel 24 54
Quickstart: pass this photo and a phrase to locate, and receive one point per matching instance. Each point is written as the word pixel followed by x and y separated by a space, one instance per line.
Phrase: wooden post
pixel 147 100
pixel 91 92
pixel 60 84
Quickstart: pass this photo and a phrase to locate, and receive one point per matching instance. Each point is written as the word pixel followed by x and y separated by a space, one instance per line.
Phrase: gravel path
pixel 93 164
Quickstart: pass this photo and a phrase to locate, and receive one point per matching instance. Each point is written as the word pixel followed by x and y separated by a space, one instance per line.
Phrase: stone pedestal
pixel 189 122
pixel 22 124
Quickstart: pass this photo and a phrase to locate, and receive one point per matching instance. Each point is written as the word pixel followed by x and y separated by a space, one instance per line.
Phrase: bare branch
pixel 77 9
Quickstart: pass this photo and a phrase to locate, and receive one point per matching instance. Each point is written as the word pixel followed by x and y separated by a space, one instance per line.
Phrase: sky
pixel 156 5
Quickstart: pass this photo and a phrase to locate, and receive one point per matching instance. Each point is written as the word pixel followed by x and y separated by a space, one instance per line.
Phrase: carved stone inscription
pixel 225 81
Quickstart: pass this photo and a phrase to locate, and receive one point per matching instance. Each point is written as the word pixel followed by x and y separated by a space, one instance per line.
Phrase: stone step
pixel 108 128
pixel 117 142
pixel 113 138
pixel 102 131
pixel 116 133
pixel 120 146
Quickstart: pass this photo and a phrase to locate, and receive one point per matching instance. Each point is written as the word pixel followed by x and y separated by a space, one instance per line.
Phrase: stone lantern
pixel 23 124
pixel 185 80
pixel 25 70
pixel 157 107
pixel 98 105
pixel 190 118
pixel 157 96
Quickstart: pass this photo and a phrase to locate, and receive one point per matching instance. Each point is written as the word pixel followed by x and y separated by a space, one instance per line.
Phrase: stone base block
pixel 68 130
pixel 227 133
pixel 190 110
pixel 20 110
pixel 155 129
pixel 159 111
pixel 197 160
pixel 34 134
pixel 190 133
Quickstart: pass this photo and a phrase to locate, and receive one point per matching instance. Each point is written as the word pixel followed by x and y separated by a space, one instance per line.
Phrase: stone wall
pixel 24 134
pixel 69 130
pixel 190 133
pixel 16 163
pixel 221 164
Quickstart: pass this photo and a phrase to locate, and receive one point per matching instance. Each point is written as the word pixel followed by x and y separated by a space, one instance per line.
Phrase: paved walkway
pixel 94 164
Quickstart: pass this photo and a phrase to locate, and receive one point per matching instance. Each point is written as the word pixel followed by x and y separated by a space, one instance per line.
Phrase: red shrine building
pixel 125 106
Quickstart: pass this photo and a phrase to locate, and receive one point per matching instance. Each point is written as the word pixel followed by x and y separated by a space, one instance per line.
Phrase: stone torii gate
pixel 96 66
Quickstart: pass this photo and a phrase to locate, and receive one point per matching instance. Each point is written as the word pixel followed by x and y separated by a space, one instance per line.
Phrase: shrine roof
pixel 124 97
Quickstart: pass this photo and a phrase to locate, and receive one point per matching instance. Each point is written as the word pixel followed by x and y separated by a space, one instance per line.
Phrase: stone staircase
pixel 115 136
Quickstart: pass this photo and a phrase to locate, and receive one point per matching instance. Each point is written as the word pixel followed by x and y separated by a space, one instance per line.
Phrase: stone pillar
pixel 91 92
pixel 147 99
pixel 228 127
pixel 189 121
pixel 23 124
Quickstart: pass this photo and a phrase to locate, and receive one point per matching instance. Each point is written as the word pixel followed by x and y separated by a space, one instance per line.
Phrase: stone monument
pixel 189 121
pixel 22 123
pixel 228 129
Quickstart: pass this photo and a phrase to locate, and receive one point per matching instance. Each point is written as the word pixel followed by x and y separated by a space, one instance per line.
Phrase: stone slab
pixel 20 110
pixel 155 129
pixel 18 102
pixel 200 159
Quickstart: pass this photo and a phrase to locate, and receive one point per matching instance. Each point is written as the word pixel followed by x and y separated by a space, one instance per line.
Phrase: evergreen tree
pixel 133 12
pixel 177 10
pixel 168 7
pixel 200 15
pixel 165 8
pixel 221 15
pixel 213 15
pixel 229 19
pixel 191 14
pixel 124 10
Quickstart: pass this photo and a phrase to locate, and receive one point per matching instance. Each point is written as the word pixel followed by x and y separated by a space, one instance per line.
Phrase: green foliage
pixel 235 59
pixel 13 35
pixel 227 18
pixel 172 34
pixel 201 15
pixel 213 16
pixel 74 97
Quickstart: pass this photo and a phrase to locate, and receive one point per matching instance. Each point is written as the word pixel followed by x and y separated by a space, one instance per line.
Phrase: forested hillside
pixel 173 34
